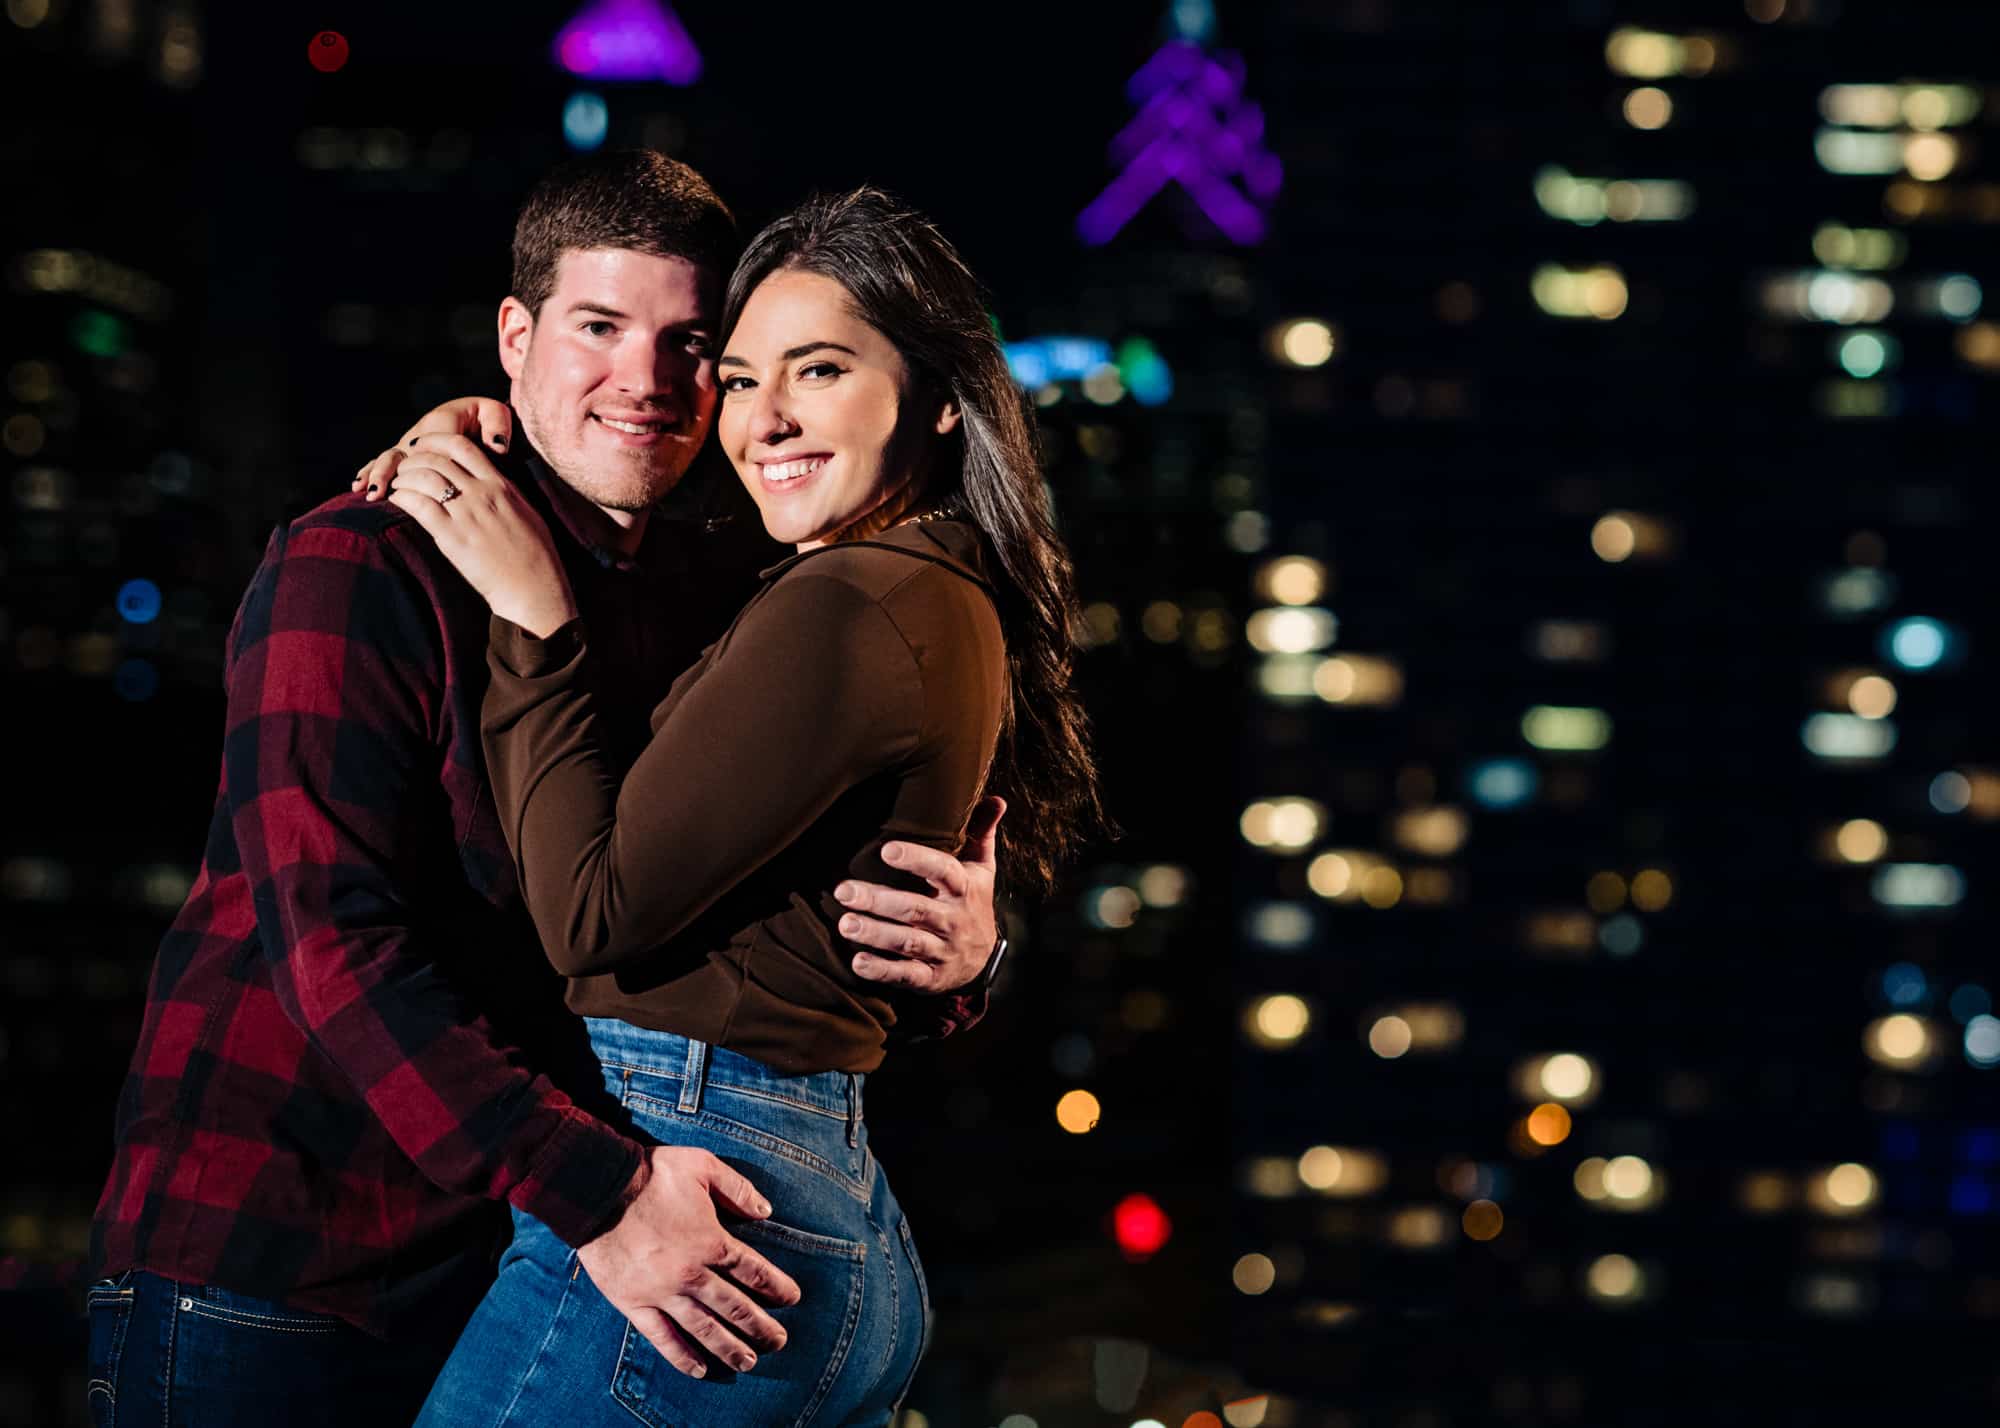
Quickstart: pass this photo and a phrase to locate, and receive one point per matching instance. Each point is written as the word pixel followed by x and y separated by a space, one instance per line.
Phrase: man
pixel 341 1075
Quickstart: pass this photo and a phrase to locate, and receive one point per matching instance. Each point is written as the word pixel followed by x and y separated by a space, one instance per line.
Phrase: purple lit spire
pixel 628 39
pixel 1194 128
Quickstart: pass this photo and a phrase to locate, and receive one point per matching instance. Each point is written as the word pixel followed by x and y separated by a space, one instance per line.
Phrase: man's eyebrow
pixel 597 307
pixel 792 354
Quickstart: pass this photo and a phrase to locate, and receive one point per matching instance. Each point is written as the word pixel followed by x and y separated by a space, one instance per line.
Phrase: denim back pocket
pixel 788 1385
pixel 108 1303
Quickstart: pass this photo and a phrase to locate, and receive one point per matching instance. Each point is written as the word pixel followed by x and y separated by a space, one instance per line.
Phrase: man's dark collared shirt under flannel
pixel 328 1101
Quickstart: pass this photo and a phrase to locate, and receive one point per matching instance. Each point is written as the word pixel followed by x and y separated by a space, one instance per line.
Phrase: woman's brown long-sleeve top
pixel 856 699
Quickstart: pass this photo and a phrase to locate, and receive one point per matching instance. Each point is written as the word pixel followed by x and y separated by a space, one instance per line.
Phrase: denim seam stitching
pixel 243 1319
pixel 736 1130
pixel 730 1086
pixel 838 1360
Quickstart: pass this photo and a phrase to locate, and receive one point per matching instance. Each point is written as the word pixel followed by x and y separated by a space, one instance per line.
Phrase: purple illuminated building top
pixel 628 39
pixel 1194 128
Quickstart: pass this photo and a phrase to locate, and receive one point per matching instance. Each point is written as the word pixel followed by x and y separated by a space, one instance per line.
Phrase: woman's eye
pixel 737 384
pixel 819 369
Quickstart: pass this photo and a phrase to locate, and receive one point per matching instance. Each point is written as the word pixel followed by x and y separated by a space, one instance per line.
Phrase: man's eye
pixel 697 343
pixel 599 329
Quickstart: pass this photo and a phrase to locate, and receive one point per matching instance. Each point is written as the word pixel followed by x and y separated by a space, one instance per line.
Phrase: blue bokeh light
pixel 1982 1041
pixel 1969 1001
pixel 1919 642
pixel 1502 783
pixel 138 602
pixel 1903 985
pixel 586 120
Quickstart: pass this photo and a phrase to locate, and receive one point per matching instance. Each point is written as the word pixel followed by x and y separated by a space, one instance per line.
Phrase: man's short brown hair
pixel 637 199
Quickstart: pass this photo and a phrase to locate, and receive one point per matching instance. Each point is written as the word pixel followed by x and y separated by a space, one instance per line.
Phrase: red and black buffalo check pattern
pixel 328 1104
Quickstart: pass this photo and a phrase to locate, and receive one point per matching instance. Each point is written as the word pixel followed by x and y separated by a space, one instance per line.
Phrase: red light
pixel 1141 1227
pixel 328 51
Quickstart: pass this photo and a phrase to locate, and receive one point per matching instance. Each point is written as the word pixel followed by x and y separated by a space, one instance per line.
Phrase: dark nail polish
pixel 373 489
pixel 412 441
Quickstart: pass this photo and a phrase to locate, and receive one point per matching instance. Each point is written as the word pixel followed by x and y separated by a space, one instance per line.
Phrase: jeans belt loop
pixel 694 1076
pixel 853 1109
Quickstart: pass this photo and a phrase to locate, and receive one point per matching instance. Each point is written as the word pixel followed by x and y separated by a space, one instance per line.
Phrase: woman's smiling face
pixel 817 415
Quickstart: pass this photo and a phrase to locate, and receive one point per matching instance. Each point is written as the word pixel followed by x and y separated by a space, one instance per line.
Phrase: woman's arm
pixel 811 692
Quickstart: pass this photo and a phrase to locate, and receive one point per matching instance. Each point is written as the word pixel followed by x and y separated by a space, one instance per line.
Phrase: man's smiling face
pixel 615 378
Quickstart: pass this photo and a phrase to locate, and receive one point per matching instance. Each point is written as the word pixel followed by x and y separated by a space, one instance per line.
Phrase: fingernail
pixel 698 1372
pixel 412 441
pixel 850 925
pixel 892 852
pixel 499 443
pixel 746 1363
pixel 844 893
pixel 373 488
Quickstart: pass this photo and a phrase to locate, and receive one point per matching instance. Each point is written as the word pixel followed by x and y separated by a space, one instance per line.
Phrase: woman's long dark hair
pixel 907 282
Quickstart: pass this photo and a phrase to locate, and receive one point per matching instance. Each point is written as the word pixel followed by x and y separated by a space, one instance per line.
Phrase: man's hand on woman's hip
pixel 670 1267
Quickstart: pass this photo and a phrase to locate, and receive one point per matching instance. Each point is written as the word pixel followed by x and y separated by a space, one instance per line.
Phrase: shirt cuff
pixel 516 652
pixel 582 1181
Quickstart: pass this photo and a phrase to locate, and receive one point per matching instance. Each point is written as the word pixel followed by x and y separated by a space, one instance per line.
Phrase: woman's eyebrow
pixel 790 353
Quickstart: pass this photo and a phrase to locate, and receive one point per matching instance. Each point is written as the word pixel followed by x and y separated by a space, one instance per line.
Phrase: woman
pixel 914 652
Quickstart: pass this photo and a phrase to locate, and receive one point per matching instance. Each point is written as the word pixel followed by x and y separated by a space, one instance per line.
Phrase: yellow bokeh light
pixel 1850 1186
pixel 1439 831
pixel 1284 824
pixel 1482 1220
pixel 1077 1112
pixel 1161 620
pixel 1330 875
pixel 1320 1167
pixel 1628 1177
pixel 1613 539
pixel 1278 1020
pixel 1358 679
pixel 1567 1077
pixel 1614 1277
pixel 1588 1178
pixel 1764 1192
pixel 1930 156
pixel 1389 1037
pixel 1652 890
pixel 1292 580
pixel 1382 887
pixel 1872 697
pixel 1548 1124
pixel 1643 54
pixel 1900 1040
pixel 1605 892
pixel 1861 840
pixel 1304 342
pixel 1648 108
pixel 1254 1274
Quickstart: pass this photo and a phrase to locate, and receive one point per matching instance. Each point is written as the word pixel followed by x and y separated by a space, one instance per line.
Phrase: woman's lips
pixel 793 470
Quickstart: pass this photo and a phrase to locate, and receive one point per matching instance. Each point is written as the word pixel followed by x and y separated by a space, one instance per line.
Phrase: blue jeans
pixel 172 1355
pixel 545 1347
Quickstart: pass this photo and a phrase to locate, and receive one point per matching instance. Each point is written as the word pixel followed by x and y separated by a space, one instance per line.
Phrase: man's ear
pixel 517 329
pixel 947 417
